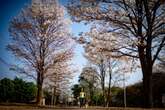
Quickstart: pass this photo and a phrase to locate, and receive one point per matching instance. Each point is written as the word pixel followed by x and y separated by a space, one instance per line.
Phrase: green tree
pixel 23 91
pixel 97 98
pixel 76 89
pixel 17 90
pixel 6 90
pixel 89 80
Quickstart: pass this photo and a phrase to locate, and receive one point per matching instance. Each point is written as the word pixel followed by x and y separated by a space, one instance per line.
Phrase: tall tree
pixel 95 42
pixel 89 76
pixel 139 25
pixel 40 39
pixel 58 79
pixel 100 63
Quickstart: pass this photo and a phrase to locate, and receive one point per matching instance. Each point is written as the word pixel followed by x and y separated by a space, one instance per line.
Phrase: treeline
pixel 20 91
pixel 134 93
pixel 17 90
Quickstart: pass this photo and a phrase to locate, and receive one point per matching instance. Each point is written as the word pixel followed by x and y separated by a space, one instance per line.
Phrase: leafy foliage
pixel 76 89
pixel 89 80
pixel 17 90
pixel 6 89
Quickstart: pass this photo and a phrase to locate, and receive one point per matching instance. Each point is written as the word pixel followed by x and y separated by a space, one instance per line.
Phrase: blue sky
pixel 11 8
pixel 8 8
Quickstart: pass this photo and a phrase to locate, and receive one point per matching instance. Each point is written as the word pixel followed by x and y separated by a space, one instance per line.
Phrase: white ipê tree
pixel 41 40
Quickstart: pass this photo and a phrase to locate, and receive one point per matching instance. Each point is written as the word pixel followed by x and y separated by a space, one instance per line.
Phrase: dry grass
pixel 34 107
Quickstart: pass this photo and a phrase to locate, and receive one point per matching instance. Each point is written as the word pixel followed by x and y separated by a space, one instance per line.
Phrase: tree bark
pixel 109 86
pixel 39 89
pixel 102 77
pixel 145 56
pixel 103 90
pixel 40 73
pixel 109 92
pixel 146 67
pixel 55 97
pixel 147 89
pixel 39 94
pixel 104 101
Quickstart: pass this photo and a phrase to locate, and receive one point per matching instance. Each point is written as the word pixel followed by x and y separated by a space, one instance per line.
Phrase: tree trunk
pixel 109 86
pixel 103 90
pixel 91 94
pixel 40 73
pixel 53 100
pixel 104 99
pixel 147 88
pixel 102 77
pixel 109 92
pixel 145 58
pixel 39 94
pixel 39 89
pixel 146 67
